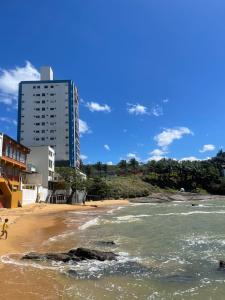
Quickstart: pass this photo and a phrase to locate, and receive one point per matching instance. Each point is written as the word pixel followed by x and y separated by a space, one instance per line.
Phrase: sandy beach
pixel 32 224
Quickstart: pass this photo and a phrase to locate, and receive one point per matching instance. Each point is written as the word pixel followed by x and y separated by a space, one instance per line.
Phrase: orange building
pixel 13 157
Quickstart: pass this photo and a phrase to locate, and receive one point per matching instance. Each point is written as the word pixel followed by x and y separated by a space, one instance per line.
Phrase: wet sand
pixel 31 225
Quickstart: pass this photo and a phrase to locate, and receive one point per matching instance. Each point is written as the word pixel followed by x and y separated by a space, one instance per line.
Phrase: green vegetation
pixel 133 179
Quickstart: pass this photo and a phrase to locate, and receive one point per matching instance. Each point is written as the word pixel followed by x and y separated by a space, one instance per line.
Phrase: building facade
pixel 13 156
pixel 48 116
pixel 43 160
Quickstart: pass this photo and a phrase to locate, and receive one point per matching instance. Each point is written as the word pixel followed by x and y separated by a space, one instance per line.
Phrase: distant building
pixel 48 116
pixel 13 156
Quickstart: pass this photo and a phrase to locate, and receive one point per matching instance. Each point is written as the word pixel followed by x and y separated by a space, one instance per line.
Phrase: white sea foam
pixel 128 219
pixel 6 259
pixel 59 237
pixel 90 223
pixel 192 213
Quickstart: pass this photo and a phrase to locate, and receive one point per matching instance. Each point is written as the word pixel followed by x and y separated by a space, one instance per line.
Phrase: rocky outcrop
pixel 180 196
pixel 73 255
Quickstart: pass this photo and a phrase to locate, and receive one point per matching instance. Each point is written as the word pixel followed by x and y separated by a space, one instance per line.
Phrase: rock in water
pixel 34 255
pixel 85 253
pixel 222 264
pixel 58 256
pixel 106 243
pixel 74 255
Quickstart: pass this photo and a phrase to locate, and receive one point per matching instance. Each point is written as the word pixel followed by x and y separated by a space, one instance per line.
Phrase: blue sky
pixel 150 74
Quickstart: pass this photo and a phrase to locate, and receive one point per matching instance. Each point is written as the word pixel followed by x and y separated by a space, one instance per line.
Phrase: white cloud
pixel 137 109
pixel 8 120
pixel 132 155
pixel 94 106
pixel 157 111
pixel 83 157
pixel 155 157
pixel 166 100
pixel 109 163
pixel 158 152
pixel 208 147
pixel 9 80
pixel 167 137
pixel 190 158
pixel 107 147
pixel 83 127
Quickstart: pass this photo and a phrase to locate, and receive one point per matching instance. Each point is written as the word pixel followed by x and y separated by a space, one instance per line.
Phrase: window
pixel 43 101
pixel 66 137
pixel 43 116
pixel 37 139
pixel 43 94
pixel 38 94
pixel 34 87
pixel 52 86
pixel 50 164
pixel 42 138
pixel 52 116
pixel 43 108
pixel 37 102
pixel 37 117
pixel 46 86
pixel 52 131
pixel 52 94
pixel 43 123
pixel 38 87
pixel 37 109
pixel 52 138
pixel 52 108
pixel 37 124
pixel 43 131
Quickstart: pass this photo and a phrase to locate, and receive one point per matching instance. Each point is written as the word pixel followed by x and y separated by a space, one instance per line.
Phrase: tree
pixel 122 166
pixel 134 164
pixel 72 179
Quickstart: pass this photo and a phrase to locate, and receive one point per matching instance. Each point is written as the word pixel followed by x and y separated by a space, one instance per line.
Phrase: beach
pixel 29 230
pixel 29 226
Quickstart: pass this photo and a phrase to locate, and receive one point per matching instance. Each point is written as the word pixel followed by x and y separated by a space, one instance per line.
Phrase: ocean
pixel 165 251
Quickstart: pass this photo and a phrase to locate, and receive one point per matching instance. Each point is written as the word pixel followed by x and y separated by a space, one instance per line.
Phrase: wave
pixel 7 259
pixel 90 223
pixel 59 237
pixel 192 213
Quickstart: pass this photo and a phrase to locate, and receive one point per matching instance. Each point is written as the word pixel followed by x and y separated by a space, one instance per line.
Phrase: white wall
pixel 34 193
pixel 29 196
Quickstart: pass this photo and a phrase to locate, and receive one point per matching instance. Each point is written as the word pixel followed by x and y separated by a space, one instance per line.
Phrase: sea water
pixel 165 251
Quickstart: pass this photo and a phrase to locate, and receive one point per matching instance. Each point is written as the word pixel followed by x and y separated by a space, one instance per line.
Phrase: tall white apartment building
pixel 48 116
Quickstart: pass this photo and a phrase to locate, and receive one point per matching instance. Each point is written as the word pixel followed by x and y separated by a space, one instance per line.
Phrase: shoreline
pixel 34 224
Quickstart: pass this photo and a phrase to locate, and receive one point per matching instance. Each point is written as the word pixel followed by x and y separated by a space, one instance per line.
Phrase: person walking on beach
pixel 4 229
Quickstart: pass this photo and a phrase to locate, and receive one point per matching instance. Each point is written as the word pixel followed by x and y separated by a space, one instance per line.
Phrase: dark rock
pixel 85 253
pixel 222 264
pixel 72 273
pixel 58 256
pixel 34 255
pixel 74 255
pixel 106 243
